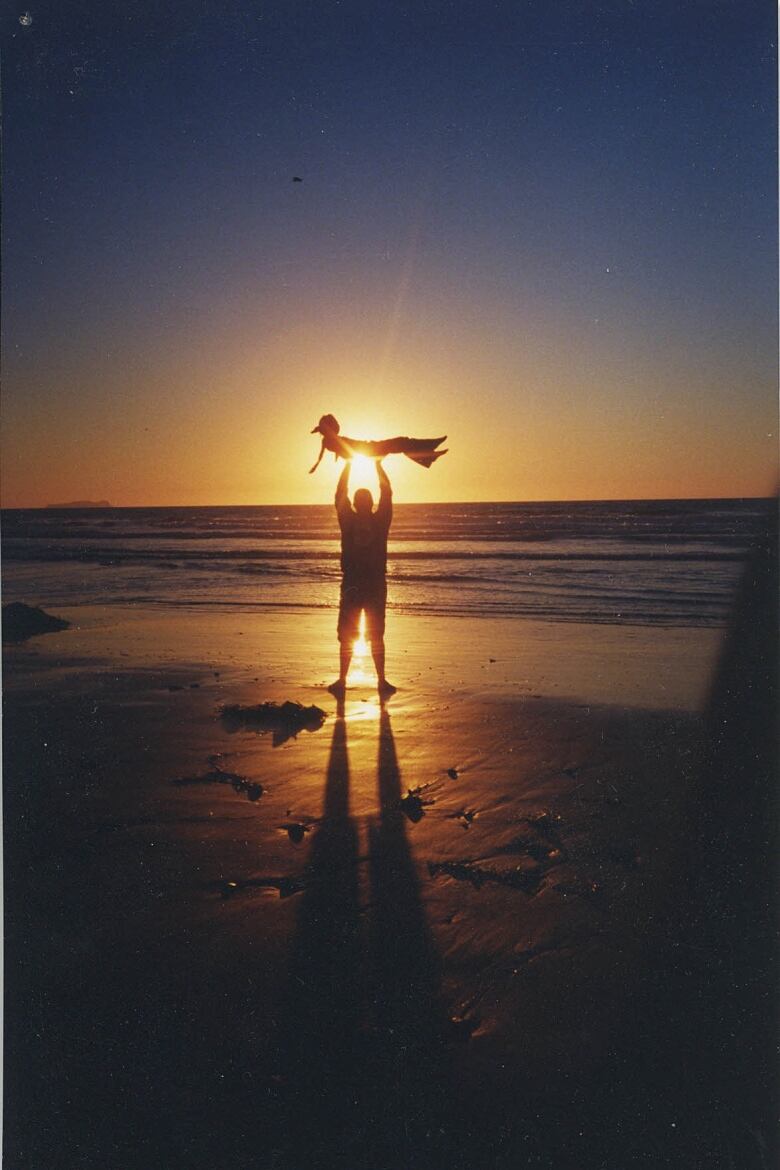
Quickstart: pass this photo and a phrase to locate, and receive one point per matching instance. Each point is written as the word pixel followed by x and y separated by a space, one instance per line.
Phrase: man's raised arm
pixel 343 506
pixel 385 506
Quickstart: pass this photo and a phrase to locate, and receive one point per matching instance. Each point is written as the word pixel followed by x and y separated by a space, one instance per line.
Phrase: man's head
pixel 363 502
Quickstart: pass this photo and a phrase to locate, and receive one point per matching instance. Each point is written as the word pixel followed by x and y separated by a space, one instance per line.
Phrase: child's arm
pixel 319 457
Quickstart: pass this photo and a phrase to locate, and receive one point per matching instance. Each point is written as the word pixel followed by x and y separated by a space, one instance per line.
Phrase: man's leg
pixel 349 616
pixel 378 654
pixel 375 629
pixel 345 657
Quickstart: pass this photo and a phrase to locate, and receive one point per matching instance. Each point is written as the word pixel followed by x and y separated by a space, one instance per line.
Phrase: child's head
pixel 328 425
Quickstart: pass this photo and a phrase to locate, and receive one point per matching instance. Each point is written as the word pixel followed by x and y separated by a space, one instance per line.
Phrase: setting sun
pixel 363 474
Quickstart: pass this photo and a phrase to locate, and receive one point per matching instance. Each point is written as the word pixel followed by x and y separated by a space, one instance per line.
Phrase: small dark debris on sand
pixel 528 881
pixel 461 1028
pixel 252 788
pixel 452 773
pixel 285 720
pixel 529 847
pixel 296 831
pixel 546 822
pixel 587 889
pixel 536 849
pixel 286 886
pixel 464 816
pixel 21 622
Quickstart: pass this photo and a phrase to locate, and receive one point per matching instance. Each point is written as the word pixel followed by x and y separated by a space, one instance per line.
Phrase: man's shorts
pixel 354 600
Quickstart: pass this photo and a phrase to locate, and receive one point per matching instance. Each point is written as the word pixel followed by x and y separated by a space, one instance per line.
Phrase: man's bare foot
pixel 385 689
pixel 338 688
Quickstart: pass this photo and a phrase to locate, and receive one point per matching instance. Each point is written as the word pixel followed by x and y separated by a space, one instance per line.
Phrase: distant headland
pixel 83 504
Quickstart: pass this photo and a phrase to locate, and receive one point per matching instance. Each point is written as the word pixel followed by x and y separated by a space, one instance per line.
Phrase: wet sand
pixel 466 929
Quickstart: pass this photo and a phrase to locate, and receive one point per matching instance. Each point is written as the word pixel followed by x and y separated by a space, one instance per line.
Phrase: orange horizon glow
pixel 534 463
pixel 221 426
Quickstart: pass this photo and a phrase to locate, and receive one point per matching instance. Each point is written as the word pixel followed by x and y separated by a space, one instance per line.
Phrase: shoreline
pixel 658 667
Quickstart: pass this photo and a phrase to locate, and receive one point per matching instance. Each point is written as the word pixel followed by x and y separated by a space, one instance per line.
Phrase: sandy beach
pixel 462 929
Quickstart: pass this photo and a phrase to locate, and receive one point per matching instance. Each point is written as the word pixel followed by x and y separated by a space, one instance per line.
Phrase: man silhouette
pixel 363 568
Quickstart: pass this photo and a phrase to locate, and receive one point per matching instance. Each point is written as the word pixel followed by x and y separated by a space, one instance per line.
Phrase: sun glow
pixel 363 474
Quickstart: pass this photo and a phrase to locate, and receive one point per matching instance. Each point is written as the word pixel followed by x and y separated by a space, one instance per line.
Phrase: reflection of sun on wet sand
pixel 446 932
pixel 360 670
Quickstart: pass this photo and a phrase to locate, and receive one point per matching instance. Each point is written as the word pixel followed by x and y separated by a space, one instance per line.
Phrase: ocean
pixel 651 562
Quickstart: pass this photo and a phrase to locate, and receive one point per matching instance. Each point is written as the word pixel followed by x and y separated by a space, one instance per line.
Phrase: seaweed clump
pixel 284 720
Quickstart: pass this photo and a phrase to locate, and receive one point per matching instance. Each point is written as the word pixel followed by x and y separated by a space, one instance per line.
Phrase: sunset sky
pixel 545 228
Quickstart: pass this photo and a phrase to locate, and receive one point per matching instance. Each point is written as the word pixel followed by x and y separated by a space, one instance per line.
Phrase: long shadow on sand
pixel 363 1037
pixel 410 1101
pixel 321 1036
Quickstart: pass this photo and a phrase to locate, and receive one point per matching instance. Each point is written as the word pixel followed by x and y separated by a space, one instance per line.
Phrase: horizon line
pixel 403 503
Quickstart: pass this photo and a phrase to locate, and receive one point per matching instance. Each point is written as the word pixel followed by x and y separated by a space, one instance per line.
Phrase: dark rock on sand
pixel 413 805
pixel 296 831
pixel 21 622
